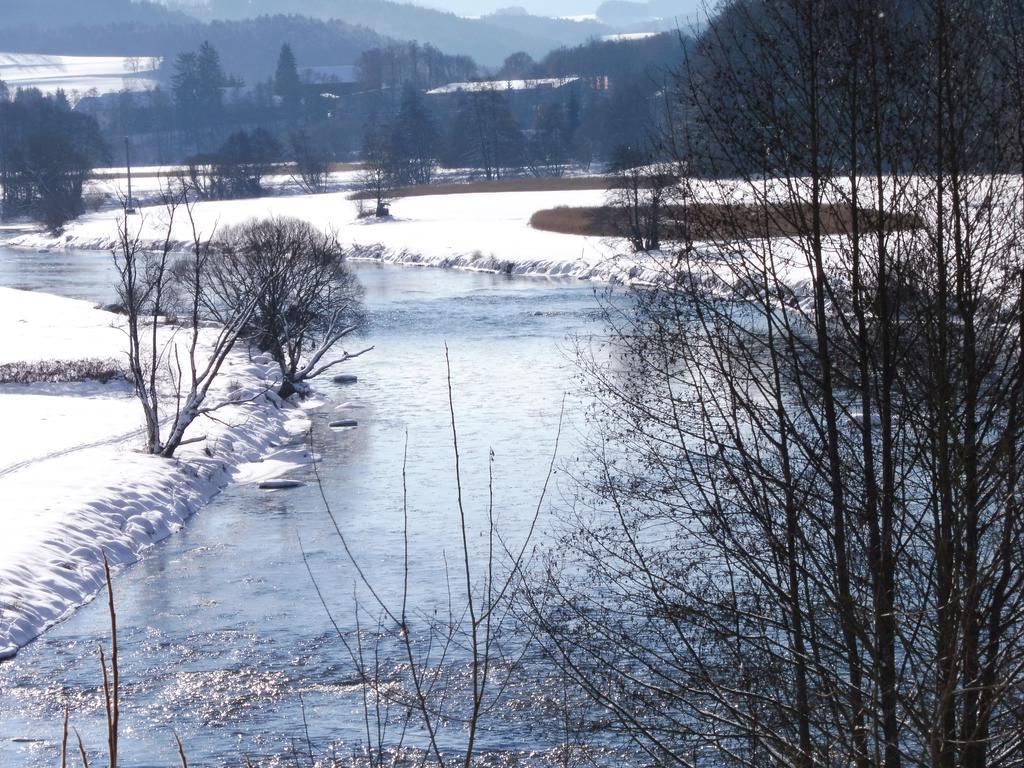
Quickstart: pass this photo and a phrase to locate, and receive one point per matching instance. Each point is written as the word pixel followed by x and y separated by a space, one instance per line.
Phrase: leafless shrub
pixel 449 666
pixel 150 286
pixel 94 201
pixel 306 299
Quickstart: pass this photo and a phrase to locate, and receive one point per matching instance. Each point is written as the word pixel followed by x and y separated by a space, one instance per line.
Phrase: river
pixel 223 639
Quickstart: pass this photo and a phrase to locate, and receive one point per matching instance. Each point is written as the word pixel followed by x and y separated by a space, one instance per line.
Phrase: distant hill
pixel 488 39
pixel 650 57
pixel 651 14
pixel 248 47
pixel 69 13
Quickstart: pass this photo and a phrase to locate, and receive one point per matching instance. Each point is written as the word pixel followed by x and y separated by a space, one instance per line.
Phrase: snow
pixel 479 86
pixel 104 74
pixel 487 231
pixel 625 36
pixel 477 231
pixel 74 484
pixel 149 182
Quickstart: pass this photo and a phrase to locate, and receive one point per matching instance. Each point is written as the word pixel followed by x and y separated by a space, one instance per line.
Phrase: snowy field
pixel 484 231
pixel 77 74
pixel 73 481
pixel 479 231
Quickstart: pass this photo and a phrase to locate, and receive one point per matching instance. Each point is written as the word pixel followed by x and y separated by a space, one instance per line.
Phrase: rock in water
pixel 345 423
pixel 279 484
pixel 345 378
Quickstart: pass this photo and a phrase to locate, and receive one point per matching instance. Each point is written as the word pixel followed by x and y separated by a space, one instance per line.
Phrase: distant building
pixel 524 96
pixel 502 86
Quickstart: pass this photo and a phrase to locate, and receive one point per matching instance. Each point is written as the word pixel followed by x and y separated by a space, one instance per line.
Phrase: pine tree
pixel 286 80
pixel 415 139
pixel 210 79
pixel 185 85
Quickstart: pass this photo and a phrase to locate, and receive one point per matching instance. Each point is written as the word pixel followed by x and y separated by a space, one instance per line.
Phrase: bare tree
pixel 172 372
pixel 376 177
pixel 801 538
pixel 312 162
pixel 642 188
pixel 306 300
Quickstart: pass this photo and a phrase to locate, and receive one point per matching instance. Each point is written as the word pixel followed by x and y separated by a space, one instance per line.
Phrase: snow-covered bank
pixel 478 231
pixel 75 486
pixel 485 231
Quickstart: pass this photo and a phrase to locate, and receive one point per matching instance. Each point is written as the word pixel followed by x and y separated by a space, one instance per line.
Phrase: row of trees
pixel 393 67
pixel 237 169
pixel 481 129
pixel 482 134
pixel 46 152
pixel 205 103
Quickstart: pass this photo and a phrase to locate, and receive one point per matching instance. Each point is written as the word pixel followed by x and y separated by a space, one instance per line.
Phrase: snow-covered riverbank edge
pixel 474 231
pixel 74 484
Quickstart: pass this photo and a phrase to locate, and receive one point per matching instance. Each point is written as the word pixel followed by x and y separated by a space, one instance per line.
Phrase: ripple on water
pixel 221 630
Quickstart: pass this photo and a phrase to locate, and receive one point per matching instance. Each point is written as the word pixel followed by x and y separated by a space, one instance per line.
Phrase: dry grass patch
pixel 709 221
pixel 60 371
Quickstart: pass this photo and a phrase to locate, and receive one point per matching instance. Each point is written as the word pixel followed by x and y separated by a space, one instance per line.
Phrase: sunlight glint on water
pixel 221 630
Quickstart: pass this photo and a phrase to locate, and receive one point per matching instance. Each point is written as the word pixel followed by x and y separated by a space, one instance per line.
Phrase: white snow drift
pixel 73 483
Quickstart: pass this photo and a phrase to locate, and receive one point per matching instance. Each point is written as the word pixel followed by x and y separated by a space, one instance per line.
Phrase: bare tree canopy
pixel 801 538
pixel 306 299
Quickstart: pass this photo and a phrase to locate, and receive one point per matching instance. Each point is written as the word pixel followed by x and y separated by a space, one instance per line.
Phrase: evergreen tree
pixel 286 81
pixel 185 86
pixel 485 135
pixel 210 79
pixel 414 139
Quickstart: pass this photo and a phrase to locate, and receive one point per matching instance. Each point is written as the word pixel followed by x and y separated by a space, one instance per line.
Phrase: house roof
pixel 478 86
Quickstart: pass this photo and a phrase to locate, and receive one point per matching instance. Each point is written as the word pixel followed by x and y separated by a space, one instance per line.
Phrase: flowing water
pixel 223 638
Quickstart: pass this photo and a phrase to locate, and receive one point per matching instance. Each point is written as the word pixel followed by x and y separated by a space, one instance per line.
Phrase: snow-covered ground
pixel 77 74
pixel 73 482
pixel 484 231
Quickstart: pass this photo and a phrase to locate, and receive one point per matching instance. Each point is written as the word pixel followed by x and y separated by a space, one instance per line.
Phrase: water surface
pixel 223 638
